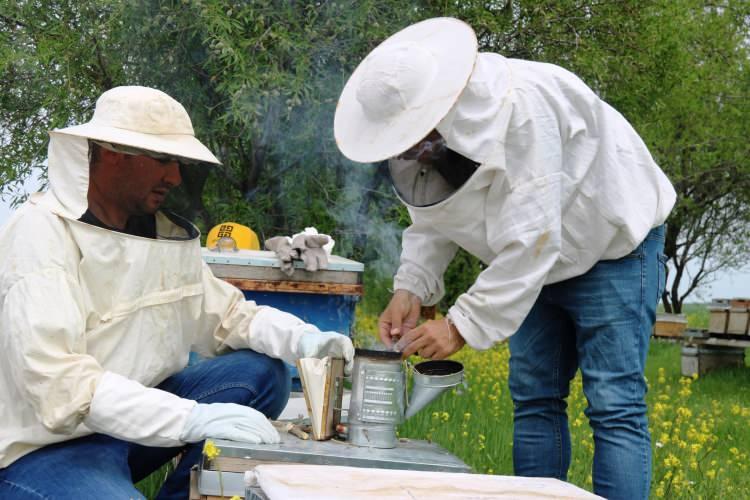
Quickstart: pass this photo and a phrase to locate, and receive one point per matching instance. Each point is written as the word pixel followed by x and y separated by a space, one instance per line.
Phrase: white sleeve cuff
pixel 471 333
pixel 410 283
pixel 277 334
pixel 127 410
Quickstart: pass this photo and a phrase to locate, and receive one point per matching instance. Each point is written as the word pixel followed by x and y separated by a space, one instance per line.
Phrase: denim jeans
pixel 601 323
pixel 99 466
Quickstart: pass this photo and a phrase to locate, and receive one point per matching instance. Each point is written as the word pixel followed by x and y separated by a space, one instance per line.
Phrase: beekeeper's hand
pixel 282 247
pixel 434 339
pixel 399 317
pixel 321 344
pixel 228 421
pixel 311 251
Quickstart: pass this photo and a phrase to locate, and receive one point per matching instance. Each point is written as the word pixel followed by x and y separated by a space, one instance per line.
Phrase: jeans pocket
pixel 635 254
pixel 661 274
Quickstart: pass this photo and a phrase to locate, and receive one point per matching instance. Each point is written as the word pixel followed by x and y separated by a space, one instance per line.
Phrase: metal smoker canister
pixel 377 401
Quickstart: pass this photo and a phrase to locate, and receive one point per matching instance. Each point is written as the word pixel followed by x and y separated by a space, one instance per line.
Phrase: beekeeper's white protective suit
pixel 563 179
pixel 91 319
pixel 546 184
pixel 564 182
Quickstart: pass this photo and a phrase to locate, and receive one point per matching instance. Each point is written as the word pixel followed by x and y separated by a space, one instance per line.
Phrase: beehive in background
pixel 739 317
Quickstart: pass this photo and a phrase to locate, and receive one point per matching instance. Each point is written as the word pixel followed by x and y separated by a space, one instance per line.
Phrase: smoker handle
pixel 428 312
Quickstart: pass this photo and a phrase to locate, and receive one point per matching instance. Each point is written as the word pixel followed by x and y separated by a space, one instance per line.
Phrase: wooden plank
pixel 718 342
pixel 296 287
pixel 275 274
pixel 236 464
pixel 699 337
pixel 194 495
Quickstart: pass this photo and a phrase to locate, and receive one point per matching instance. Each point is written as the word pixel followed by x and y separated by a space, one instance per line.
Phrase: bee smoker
pixel 379 396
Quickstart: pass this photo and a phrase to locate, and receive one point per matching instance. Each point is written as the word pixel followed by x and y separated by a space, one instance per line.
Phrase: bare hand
pixel 399 317
pixel 434 339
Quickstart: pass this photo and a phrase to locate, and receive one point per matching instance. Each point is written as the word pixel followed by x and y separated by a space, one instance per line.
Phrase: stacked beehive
pixel 729 317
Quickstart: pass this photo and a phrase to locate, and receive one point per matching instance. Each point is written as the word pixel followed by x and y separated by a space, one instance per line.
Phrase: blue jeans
pixel 601 323
pixel 99 466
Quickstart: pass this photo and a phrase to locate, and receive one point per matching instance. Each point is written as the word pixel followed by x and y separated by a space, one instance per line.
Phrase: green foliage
pixel 700 423
pixel 261 80
pixel 460 275
pixel 697 315
pixel 53 63
pixel 697 129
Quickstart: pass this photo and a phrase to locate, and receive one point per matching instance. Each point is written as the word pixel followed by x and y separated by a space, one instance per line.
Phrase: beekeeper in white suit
pixel 102 297
pixel 523 166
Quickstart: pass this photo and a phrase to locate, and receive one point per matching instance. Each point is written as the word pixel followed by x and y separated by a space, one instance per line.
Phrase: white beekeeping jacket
pixel 92 319
pixel 564 181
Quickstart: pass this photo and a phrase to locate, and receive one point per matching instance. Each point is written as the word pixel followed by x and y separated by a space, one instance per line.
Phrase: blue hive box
pixel 325 298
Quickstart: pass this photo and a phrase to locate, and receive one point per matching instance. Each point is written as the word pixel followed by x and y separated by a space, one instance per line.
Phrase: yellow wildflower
pixel 684 412
pixel 210 450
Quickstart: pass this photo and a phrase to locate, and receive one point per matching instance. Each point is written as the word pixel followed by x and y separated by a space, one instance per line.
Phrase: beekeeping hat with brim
pixel 403 88
pixel 144 120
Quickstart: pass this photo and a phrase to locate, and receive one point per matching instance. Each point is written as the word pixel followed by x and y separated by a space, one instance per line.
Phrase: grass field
pixel 700 431
pixel 700 427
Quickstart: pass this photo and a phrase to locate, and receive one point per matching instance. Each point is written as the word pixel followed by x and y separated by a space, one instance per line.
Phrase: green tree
pixel 53 63
pixel 261 80
pixel 698 131
pixel 678 70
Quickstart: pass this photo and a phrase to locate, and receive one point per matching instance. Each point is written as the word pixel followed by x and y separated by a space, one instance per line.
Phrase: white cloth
pixel 330 482
pixel 564 182
pixel 81 306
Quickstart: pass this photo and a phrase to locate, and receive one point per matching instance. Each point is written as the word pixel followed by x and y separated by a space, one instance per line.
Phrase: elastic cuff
pixel 127 410
pixel 411 285
pixel 473 336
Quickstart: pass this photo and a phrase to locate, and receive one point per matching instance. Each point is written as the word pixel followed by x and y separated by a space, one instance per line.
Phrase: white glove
pixel 284 336
pixel 228 421
pixel 322 344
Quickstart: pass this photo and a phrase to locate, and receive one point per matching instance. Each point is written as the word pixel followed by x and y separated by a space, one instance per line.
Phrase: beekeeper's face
pixel 427 150
pixel 137 184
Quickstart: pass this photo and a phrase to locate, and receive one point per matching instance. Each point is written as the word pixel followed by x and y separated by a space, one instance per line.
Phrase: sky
pixel 728 284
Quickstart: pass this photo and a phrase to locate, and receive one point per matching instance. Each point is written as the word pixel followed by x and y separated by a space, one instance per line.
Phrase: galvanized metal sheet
pixel 264 258
pixel 408 455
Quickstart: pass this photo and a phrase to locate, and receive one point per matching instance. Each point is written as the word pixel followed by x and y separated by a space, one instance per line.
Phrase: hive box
pixel 701 359
pixel 739 317
pixel 718 316
pixel 325 298
pixel 670 325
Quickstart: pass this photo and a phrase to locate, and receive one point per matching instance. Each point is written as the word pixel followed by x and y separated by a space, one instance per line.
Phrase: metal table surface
pixel 408 455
